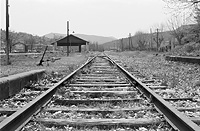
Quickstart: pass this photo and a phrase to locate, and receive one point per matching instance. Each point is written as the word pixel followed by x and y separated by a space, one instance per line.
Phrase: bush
pixel 189 48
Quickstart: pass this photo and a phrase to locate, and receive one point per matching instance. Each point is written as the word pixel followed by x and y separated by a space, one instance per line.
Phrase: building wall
pixel 19 47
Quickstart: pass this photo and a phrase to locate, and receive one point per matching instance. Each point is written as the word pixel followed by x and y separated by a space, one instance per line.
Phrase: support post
pixel 67 50
pixel 87 47
pixel 79 48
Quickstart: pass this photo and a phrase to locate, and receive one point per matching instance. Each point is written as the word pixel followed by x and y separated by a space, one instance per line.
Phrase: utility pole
pixel 151 44
pixel 67 38
pixel 7 35
pixel 130 41
pixel 129 46
pixel 157 38
pixel 117 43
pixel 122 44
pixel 97 48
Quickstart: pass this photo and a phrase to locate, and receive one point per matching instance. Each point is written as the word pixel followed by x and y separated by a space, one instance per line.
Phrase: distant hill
pixel 91 38
pixel 54 35
pixel 94 38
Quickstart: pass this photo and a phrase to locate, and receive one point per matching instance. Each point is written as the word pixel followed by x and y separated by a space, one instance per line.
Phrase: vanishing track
pixel 100 95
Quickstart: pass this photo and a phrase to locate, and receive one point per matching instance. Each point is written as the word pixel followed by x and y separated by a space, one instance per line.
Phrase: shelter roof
pixel 73 41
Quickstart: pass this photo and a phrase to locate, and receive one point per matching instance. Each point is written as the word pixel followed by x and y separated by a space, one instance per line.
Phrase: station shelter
pixel 72 40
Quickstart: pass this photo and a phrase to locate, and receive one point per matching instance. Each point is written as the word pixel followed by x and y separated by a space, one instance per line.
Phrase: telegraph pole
pixel 157 38
pixel 122 44
pixel 7 34
pixel 130 41
pixel 151 44
pixel 67 38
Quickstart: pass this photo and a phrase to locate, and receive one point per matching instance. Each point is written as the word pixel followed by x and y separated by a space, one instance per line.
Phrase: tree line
pixel 25 38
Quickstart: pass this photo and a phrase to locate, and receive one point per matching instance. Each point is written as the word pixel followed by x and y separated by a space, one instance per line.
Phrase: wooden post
pixel 7 35
pixel 41 60
pixel 79 48
pixel 87 47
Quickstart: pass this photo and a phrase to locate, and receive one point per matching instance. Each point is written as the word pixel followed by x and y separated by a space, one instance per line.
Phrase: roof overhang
pixel 71 40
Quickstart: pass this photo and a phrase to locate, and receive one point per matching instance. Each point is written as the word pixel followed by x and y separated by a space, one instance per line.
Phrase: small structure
pixel 39 47
pixel 19 47
pixel 71 40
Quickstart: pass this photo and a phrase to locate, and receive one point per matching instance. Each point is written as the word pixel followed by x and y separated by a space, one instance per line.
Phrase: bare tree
pixel 183 7
pixel 159 38
pixel 196 29
pixel 29 40
pixel 177 29
pixel 190 2
pixel 182 4
pixel 13 37
pixel 190 9
pixel 140 39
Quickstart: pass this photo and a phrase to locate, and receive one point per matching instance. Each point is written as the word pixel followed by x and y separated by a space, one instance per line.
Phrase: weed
pixel 174 81
pixel 71 67
pixel 189 49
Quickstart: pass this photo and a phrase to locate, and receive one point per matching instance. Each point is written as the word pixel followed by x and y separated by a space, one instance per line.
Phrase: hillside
pixel 117 44
pixel 91 38
pixel 94 38
pixel 23 37
pixel 54 35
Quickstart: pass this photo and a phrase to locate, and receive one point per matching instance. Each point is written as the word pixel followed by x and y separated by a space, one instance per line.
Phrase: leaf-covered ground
pixel 23 63
pixel 182 77
pixel 189 49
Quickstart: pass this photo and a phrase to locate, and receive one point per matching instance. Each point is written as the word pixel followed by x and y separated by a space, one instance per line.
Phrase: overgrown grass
pixel 25 63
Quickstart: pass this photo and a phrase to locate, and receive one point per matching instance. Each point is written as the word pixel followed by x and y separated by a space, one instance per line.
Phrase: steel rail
pixel 18 119
pixel 173 116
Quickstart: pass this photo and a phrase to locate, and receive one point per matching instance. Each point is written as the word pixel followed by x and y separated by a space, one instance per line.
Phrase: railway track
pixel 100 95
pixel 185 59
pixel 183 100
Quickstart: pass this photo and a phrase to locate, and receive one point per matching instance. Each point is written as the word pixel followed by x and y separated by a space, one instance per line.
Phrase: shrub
pixel 189 49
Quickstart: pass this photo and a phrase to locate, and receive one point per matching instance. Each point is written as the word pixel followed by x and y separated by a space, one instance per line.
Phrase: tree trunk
pixel 179 41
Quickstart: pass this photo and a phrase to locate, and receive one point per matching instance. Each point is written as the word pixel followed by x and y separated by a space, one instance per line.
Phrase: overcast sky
pixel 114 18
